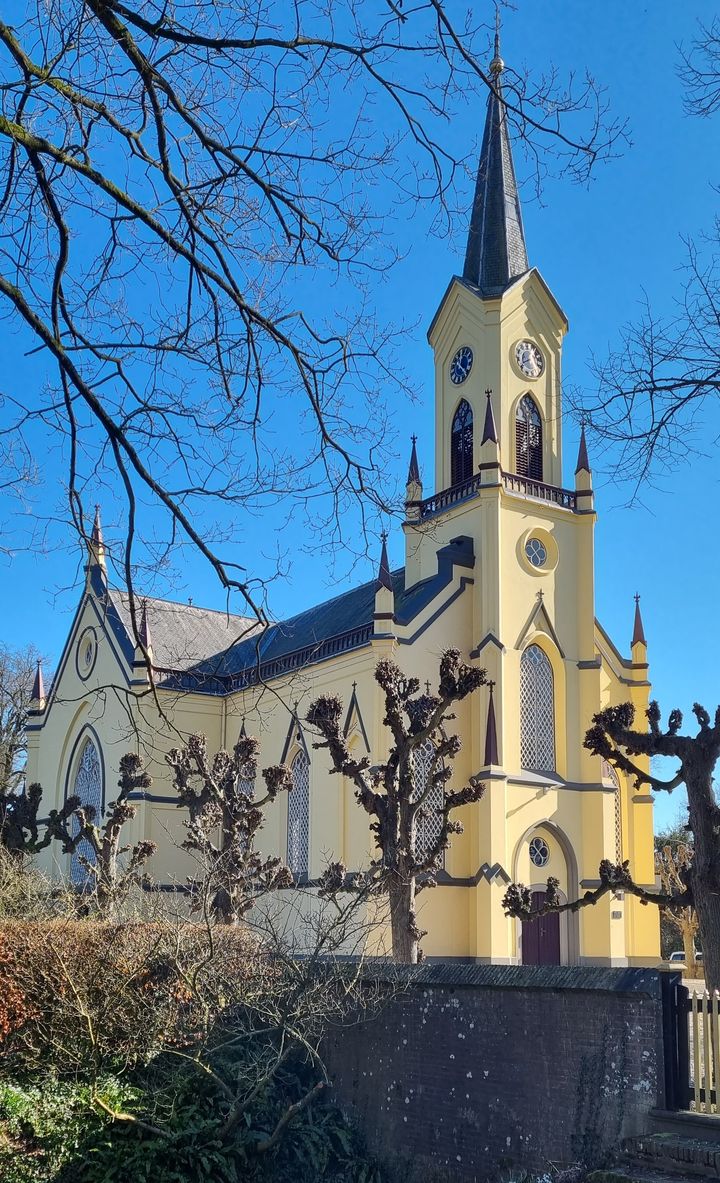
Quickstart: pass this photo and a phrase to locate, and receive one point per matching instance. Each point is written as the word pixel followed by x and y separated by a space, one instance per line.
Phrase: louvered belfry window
pixel 299 816
pixel 537 711
pixel 528 440
pixel 461 444
pixel 428 827
pixel 88 787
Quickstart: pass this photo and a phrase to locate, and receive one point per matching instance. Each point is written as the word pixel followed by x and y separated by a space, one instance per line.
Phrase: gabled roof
pixel 182 635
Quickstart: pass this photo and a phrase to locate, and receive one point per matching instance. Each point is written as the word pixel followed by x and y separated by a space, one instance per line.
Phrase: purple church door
pixel 541 938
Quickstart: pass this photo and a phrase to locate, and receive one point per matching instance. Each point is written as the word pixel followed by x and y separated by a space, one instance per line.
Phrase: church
pixel 499 563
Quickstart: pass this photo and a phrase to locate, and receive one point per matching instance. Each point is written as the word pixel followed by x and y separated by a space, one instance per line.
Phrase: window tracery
pixel 537 711
pixel 88 786
pixel 299 815
pixel 528 439
pixel 430 825
pixel 461 444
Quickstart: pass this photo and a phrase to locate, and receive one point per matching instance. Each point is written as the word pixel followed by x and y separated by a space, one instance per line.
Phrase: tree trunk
pixel 401 893
pixel 705 868
pixel 688 939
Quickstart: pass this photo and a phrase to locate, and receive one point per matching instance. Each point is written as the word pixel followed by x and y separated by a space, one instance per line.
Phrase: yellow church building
pixel 499 563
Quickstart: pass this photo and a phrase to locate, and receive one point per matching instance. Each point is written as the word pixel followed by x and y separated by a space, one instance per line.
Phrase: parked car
pixel 677 958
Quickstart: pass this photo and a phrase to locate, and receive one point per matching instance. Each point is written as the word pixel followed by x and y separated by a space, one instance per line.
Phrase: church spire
pixel 96 549
pixel 496 253
pixel 638 637
pixel 583 464
pixel 38 690
pixel 414 467
pixel 384 578
pixel 489 429
pixel 491 744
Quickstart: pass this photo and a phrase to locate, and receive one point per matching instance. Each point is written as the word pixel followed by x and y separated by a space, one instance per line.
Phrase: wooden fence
pixel 704 1036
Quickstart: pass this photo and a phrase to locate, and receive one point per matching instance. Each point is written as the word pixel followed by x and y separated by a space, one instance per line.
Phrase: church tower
pixel 497 341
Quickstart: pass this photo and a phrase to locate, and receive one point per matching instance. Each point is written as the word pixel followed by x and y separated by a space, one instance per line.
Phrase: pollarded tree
pixel 412 809
pixel 110 876
pixel 673 856
pixel 17 669
pixel 225 816
pixel 22 833
pixel 612 736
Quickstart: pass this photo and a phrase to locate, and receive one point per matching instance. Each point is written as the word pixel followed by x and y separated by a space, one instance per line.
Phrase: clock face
pixel 461 364
pixel 529 358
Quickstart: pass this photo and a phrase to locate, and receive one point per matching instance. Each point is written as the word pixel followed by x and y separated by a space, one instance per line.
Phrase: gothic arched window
pixel 429 826
pixel 461 444
pixel 88 786
pixel 610 774
pixel 528 439
pixel 299 816
pixel 537 711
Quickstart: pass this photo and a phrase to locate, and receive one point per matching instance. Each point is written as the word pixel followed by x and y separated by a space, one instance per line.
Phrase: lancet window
pixel 461 444
pixel 610 774
pixel 528 440
pixel 88 786
pixel 430 825
pixel 299 815
pixel 537 711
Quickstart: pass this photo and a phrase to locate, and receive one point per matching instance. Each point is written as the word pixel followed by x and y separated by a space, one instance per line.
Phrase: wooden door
pixel 541 938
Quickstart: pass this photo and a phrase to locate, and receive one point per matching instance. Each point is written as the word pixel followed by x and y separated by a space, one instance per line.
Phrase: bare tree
pixel 613 738
pixel 18 811
pixel 110 875
pixel 226 814
pixel 673 857
pixel 175 181
pixel 411 809
pixel 656 391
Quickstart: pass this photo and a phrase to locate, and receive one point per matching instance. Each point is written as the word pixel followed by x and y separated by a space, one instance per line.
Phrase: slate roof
pixel 496 253
pixel 181 634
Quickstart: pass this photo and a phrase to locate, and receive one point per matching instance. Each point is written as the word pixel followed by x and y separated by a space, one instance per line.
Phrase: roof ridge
pixel 140 597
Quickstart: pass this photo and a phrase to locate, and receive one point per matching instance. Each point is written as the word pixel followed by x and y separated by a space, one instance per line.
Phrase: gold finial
pixel 497 65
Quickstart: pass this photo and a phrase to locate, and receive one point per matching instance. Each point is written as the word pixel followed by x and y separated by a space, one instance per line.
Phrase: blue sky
pixel 599 247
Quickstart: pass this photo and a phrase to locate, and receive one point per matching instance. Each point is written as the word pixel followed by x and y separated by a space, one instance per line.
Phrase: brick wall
pixel 475 1068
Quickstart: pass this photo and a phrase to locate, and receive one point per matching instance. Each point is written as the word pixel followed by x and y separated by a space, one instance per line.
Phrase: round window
pixel 536 552
pixel 539 853
pixel 86 653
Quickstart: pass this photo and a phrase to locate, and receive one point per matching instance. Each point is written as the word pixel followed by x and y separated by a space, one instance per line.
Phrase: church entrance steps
pixel 672 1155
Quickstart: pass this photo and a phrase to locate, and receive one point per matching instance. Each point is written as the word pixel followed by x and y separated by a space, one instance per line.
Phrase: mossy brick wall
pixel 474 1068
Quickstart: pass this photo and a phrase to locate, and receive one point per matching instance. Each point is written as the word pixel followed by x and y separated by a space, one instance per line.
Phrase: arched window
pixel 461 444
pixel 610 774
pixel 537 711
pixel 88 786
pixel 428 826
pixel 528 439
pixel 299 816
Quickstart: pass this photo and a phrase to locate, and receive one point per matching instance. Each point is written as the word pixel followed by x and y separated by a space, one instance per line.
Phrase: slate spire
pixel 583 464
pixel 414 467
pixel 144 630
pixel 496 253
pixel 489 428
pixel 384 578
pixel 638 637
pixel 38 690
pixel 491 744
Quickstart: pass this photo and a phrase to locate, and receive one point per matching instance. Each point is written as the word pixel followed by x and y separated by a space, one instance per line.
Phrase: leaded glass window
pixel 528 439
pixel 537 711
pixel 461 444
pixel 88 786
pixel 430 825
pixel 299 816
pixel 609 773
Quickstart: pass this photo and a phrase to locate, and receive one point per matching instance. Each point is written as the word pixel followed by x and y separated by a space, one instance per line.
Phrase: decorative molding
pixel 642 799
pixel 295 734
pixel 488 639
pixel 354 711
pixel 538 613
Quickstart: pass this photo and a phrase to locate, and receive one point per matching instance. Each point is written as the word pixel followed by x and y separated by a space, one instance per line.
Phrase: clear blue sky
pixel 599 247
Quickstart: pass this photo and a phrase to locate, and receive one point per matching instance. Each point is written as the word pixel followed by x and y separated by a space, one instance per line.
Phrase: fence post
pixel 675 1041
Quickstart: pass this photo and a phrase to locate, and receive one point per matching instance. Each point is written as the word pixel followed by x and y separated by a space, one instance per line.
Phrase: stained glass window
pixel 537 711
pixel 461 444
pixel 299 816
pixel 430 825
pixel 528 439
pixel 539 852
pixel 88 786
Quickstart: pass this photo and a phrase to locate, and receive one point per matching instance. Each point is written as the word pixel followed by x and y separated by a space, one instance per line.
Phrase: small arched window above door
pixel 461 444
pixel 528 439
pixel 537 711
